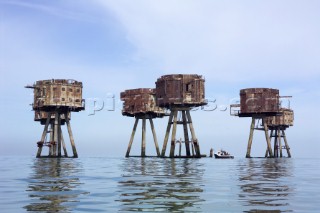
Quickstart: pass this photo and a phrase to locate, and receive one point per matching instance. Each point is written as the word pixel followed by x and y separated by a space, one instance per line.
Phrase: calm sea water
pixel 102 184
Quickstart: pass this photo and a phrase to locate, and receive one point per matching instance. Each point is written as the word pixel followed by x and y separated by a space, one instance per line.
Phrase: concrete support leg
pixel 164 147
pixel 74 150
pixel 59 134
pixel 43 137
pixel 279 142
pixel 154 137
pixel 267 137
pixel 180 145
pixel 173 136
pixel 132 136
pixel 267 151
pixel 186 135
pixel 275 146
pixel 193 135
pixel 51 138
pixel 56 133
pixel 192 149
pixel 63 144
pixel 143 142
pixel 248 155
pixel 286 143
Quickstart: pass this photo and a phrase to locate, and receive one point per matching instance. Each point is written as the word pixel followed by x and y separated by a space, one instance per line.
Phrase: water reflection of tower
pixel 53 185
pixel 153 184
pixel 54 100
pixel 263 184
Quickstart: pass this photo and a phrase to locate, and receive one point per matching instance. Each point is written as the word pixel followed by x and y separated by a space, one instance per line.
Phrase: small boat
pixel 223 154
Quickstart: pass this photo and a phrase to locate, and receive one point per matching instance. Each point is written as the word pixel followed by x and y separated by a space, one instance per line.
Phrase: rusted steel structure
pixel 285 120
pixel 180 90
pixel 277 126
pixel 259 104
pixel 54 100
pixel 42 116
pixel 140 103
pixel 180 93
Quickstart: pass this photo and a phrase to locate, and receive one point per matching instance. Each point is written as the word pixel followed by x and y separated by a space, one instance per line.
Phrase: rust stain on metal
pixel 259 101
pixel 284 120
pixel 180 90
pixel 264 104
pixel 43 115
pixel 54 100
pixel 49 94
pixel 140 102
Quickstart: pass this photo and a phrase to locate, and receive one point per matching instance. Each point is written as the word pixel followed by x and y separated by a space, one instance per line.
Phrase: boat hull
pixel 224 156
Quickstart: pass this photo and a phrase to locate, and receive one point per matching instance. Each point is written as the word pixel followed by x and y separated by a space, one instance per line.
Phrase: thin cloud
pixel 225 41
pixel 59 10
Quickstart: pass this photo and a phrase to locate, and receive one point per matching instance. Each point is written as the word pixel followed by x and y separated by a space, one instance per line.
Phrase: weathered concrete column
pixel 154 137
pixel 59 134
pixel 166 138
pixel 267 137
pixel 180 145
pixel 286 143
pixel 267 151
pixel 211 153
pixel 279 142
pixel 132 136
pixel 63 144
pixel 174 131
pixel 43 137
pixel 275 146
pixel 56 133
pixel 51 138
pixel 248 155
pixel 74 150
pixel 193 135
pixel 186 135
pixel 143 142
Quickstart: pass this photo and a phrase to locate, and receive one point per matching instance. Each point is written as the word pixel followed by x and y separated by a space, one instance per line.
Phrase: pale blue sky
pixel 115 45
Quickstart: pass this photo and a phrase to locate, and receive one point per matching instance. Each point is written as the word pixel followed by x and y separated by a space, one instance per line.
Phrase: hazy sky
pixel 122 44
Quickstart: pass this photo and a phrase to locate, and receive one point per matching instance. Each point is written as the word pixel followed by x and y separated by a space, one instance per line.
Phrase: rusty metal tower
pixel 277 126
pixel 141 104
pixel 54 100
pixel 257 103
pixel 180 93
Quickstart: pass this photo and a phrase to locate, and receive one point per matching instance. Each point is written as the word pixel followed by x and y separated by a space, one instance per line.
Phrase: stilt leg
pixel 267 137
pixel 193 135
pixel 63 144
pixel 56 133
pixel 164 147
pixel 51 138
pixel 192 149
pixel 74 150
pixel 154 137
pixel 143 142
pixel 132 137
pixel 59 134
pixel 186 135
pixel 248 155
pixel 279 142
pixel 173 136
pixel 44 133
pixel 286 143
pixel 275 146
pixel 180 144
pixel 267 151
